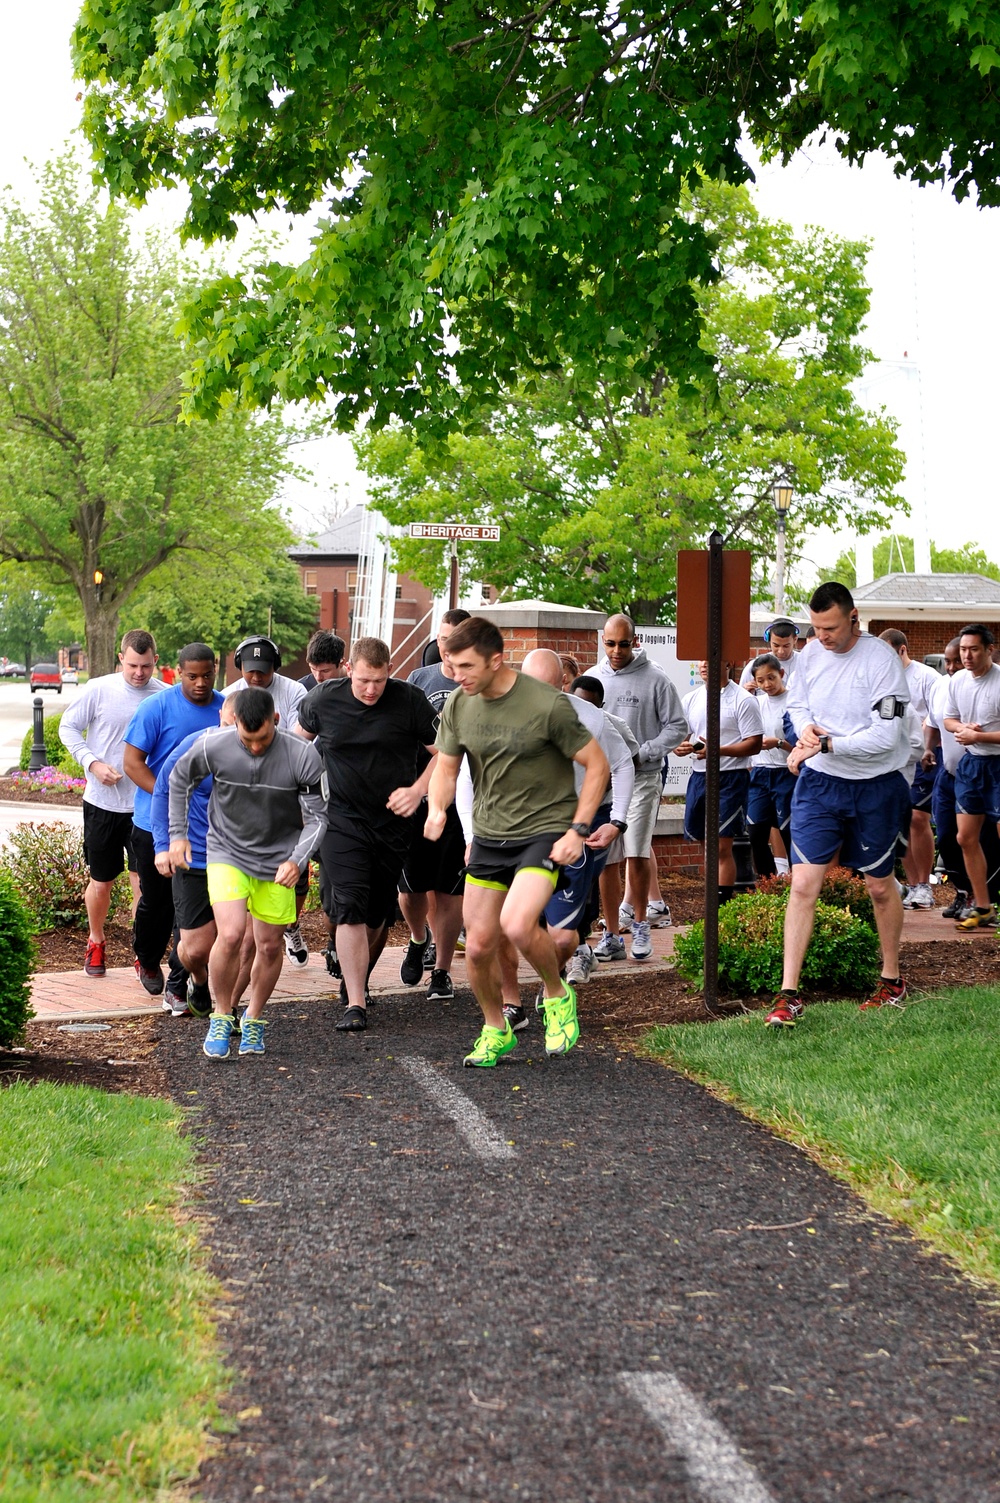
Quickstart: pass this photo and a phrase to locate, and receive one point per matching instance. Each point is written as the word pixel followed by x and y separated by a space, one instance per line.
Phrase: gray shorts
pixel 642 812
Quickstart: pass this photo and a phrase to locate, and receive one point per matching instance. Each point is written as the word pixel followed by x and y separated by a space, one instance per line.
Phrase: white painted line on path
pixel 713 1461
pixel 476 1128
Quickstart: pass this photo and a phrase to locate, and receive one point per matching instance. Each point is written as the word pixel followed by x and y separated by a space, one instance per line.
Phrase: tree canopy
pixel 97 474
pixel 893 554
pixel 594 495
pixel 501 184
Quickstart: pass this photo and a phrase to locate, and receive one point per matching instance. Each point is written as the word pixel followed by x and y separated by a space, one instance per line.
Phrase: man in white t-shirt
pixel 972 714
pixel 779 638
pixel 848 704
pixel 919 859
pixel 93 730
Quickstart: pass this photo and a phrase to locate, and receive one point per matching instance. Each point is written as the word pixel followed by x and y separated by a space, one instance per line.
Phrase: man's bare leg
pixel 482 938
pixel 446 925
pixel 224 960
pixel 522 908
pixel 638 877
pixel 269 945
pixel 193 949
pixel 888 904
pixel 414 907
pixel 919 858
pixel 800 916
pixel 355 944
pixel 98 900
pixel 969 827
pixel 610 882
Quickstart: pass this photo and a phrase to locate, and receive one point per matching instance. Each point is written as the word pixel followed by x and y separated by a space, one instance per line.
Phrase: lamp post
pixel 782 493
pixel 99 584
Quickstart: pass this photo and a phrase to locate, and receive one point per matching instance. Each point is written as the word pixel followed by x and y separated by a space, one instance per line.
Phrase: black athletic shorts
pixel 302 885
pixel 361 865
pixel 495 863
pixel 437 865
pixel 192 910
pixel 107 842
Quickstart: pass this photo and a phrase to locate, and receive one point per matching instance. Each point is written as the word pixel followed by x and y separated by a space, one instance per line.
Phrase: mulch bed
pixel 626 1005
pixel 18 793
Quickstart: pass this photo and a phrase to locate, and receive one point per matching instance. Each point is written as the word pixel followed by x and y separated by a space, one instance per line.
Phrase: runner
pixel 370 729
pixel 192 905
pixel 780 638
pixel 918 862
pixel 521 738
pixel 324 659
pixel 741 731
pixel 847 703
pixel 93 730
pixel 433 880
pixel 151 735
pixel 972 714
pixel 265 814
pixel 769 806
pixel 566 910
pixel 643 696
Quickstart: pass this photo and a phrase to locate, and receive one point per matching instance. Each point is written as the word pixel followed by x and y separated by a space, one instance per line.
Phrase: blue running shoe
pixel 252 1035
pixel 220 1031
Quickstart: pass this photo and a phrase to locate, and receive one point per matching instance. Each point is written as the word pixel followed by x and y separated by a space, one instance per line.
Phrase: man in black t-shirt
pixel 370 729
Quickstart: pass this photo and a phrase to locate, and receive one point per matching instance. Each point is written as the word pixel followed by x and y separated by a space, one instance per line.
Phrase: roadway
pixel 15 714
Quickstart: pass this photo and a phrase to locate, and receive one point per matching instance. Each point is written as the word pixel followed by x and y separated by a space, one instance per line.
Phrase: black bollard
pixel 39 756
pixel 746 877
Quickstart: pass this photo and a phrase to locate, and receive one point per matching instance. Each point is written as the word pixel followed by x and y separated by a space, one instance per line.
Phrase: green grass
pixel 903 1104
pixel 107 1366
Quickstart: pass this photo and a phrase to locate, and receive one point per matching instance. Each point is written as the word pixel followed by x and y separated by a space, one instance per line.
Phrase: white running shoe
pixel 919 896
pixel 642 949
pixel 295 946
pixel 658 915
pixel 611 947
pixel 581 964
pixel 626 914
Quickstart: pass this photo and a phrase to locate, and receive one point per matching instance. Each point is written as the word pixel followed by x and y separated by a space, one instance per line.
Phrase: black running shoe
pixel 199 998
pixel 516 1017
pixel 412 968
pixel 431 957
pixel 957 906
pixel 332 963
pixel 355 1020
pixel 441 986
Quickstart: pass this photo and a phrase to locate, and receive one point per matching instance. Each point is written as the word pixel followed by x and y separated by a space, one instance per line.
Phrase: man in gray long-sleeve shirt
pixel 643 696
pixel 267 813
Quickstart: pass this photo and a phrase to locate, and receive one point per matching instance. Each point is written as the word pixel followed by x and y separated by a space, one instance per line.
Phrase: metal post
pixel 779 567
pixel 39 756
pixel 453 582
pixel 714 690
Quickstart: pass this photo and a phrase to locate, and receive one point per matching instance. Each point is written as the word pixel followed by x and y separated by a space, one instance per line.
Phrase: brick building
pixel 929 608
pixel 332 566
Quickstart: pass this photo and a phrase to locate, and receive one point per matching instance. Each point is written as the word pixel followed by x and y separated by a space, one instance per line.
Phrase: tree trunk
pixel 102 637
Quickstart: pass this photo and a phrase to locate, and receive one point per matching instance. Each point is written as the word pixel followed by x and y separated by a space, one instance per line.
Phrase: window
pixel 352 581
pixel 309 581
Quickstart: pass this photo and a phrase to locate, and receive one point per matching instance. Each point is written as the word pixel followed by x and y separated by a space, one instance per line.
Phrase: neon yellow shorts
pixel 267 901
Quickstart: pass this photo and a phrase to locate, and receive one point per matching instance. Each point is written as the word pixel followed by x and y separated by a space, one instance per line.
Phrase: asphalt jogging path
pixel 582 1279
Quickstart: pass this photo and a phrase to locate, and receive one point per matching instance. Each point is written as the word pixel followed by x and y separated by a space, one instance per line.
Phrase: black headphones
pixel 252 642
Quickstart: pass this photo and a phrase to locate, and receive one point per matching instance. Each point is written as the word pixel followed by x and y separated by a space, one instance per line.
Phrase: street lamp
pixel 99 584
pixel 782 492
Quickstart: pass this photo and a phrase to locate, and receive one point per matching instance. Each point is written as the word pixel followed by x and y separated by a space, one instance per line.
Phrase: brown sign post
pixel 713 624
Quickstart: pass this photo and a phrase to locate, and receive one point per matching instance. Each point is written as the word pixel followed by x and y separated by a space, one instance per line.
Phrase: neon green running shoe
pixel 491 1045
pixel 561 1027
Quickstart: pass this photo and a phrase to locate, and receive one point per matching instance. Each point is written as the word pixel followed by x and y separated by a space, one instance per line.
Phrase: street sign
pixel 454 532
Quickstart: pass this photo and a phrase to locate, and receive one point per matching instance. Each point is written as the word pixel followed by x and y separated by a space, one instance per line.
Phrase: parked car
pixel 46 676
pixel 70 676
pixel 13 670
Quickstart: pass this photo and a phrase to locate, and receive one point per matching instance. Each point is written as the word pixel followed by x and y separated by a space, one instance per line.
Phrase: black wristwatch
pixel 581 829
pixel 619 825
pixel 824 745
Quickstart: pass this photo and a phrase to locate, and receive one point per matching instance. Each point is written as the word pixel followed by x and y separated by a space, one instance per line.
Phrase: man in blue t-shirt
pixel 153 732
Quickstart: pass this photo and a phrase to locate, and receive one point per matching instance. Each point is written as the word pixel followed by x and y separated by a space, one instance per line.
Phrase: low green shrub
pixel 843 954
pixel 17 960
pixel 56 754
pixel 841 889
pixel 48 868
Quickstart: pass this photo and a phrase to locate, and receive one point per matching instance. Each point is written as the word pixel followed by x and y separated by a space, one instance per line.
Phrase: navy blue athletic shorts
pixel 770 800
pixel 734 789
pixel 922 787
pixel 867 821
pixel 566 908
pixel 977 786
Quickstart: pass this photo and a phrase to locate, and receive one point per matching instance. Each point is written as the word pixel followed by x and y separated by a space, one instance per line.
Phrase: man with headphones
pixel 851 803
pixel 780 638
pixel 258 659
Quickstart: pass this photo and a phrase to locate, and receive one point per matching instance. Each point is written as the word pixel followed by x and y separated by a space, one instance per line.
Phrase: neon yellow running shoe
pixel 491 1045
pixel 561 1027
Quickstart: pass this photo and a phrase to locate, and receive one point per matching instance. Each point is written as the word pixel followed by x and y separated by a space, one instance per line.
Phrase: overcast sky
pixel 934 324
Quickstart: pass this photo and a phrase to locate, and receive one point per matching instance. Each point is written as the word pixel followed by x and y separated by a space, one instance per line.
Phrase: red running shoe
pixel 786 1009
pixel 94 964
pixel 886 994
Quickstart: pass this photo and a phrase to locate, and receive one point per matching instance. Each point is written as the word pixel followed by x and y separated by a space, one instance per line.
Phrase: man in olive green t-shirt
pixel 521 738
